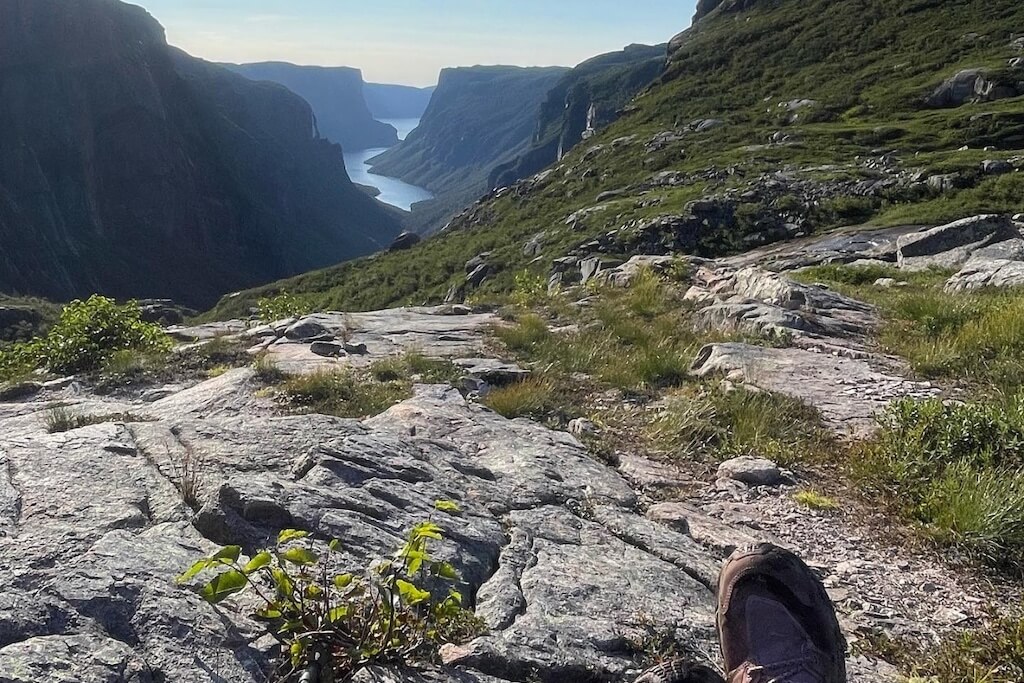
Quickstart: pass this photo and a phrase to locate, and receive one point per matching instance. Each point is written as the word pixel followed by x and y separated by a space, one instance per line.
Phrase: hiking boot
pixel 776 624
pixel 680 671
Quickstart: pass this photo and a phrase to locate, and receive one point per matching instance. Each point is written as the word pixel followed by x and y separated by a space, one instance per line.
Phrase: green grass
pixel 61 419
pixel 992 653
pixel 415 367
pixel 342 393
pixel 816 501
pixel 536 398
pixel 957 470
pixel 972 338
pixel 708 423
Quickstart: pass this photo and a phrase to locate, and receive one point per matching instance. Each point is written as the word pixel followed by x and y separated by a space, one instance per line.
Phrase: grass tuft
pixel 816 501
pixel 343 394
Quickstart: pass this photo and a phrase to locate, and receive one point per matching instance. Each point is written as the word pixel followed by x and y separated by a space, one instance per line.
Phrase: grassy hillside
pixel 791 116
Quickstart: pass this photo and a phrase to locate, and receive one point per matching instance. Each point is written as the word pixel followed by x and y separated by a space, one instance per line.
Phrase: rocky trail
pixel 575 566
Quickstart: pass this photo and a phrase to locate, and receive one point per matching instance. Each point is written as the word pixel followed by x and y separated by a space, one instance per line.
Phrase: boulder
pixel 952 244
pixel 589 268
pixel 477 261
pixel 307 329
pixel 751 471
pixel 327 349
pixel 945 183
pixel 959 88
pixel 999 265
pixel 996 167
pixel 406 240
pixel 478 275
pixel 623 275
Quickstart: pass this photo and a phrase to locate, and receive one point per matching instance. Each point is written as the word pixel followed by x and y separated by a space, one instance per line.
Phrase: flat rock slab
pixel 434 332
pixel 849 392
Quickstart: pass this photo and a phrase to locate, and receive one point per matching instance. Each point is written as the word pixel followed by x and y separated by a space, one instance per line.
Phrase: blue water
pixel 392 191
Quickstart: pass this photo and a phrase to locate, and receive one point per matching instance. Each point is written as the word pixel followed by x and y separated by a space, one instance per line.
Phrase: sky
pixel 409 41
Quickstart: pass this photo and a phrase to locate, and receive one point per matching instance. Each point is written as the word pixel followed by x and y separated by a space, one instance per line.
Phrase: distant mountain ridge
pixel 337 97
pixel 132 169
pixel 388 101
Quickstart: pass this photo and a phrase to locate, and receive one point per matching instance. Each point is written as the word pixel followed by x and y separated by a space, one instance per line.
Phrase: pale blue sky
pixel 409 41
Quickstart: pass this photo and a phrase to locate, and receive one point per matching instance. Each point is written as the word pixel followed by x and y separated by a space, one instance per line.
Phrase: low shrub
pixel 87 335
pixel 280 307
pixel 327 619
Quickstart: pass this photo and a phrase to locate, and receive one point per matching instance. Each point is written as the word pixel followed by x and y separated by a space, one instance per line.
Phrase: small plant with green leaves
pixel 332 622
pixel 280 307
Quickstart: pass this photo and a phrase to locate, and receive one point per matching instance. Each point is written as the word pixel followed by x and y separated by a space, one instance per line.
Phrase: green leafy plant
pixel 273 308
pixel 327 619
pixel 87 335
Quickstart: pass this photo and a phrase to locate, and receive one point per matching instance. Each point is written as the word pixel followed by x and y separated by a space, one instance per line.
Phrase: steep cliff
pixel 584 101
pixel 479 117
pixel 396 101
pixel 132 169
pixel 336 95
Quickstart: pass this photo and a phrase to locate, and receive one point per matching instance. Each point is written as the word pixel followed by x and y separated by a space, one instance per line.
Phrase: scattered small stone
pixel 583 427
pixel 356 349
pixel 751 471
pixel 327 349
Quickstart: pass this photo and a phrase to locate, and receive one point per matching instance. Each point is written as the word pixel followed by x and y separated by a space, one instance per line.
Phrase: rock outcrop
pixel 336 95
pixel 132 169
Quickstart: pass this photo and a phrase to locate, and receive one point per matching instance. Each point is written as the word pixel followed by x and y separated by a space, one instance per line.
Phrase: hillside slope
pixel 132 169
pixel 479 117
pixel 784 117
pixel 336 95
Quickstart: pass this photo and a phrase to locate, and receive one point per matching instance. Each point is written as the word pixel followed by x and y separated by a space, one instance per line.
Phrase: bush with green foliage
pixel 85 337
pixel 280 307
pixel 395 611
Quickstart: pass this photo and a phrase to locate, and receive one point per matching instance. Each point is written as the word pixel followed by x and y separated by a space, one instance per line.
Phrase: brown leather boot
pixel 680 671
pixel 776 624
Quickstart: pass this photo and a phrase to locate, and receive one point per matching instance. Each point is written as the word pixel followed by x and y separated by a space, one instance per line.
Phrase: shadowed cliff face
pixel 132 169
pixel 478 117
pixel 336 96
pixel 592 94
